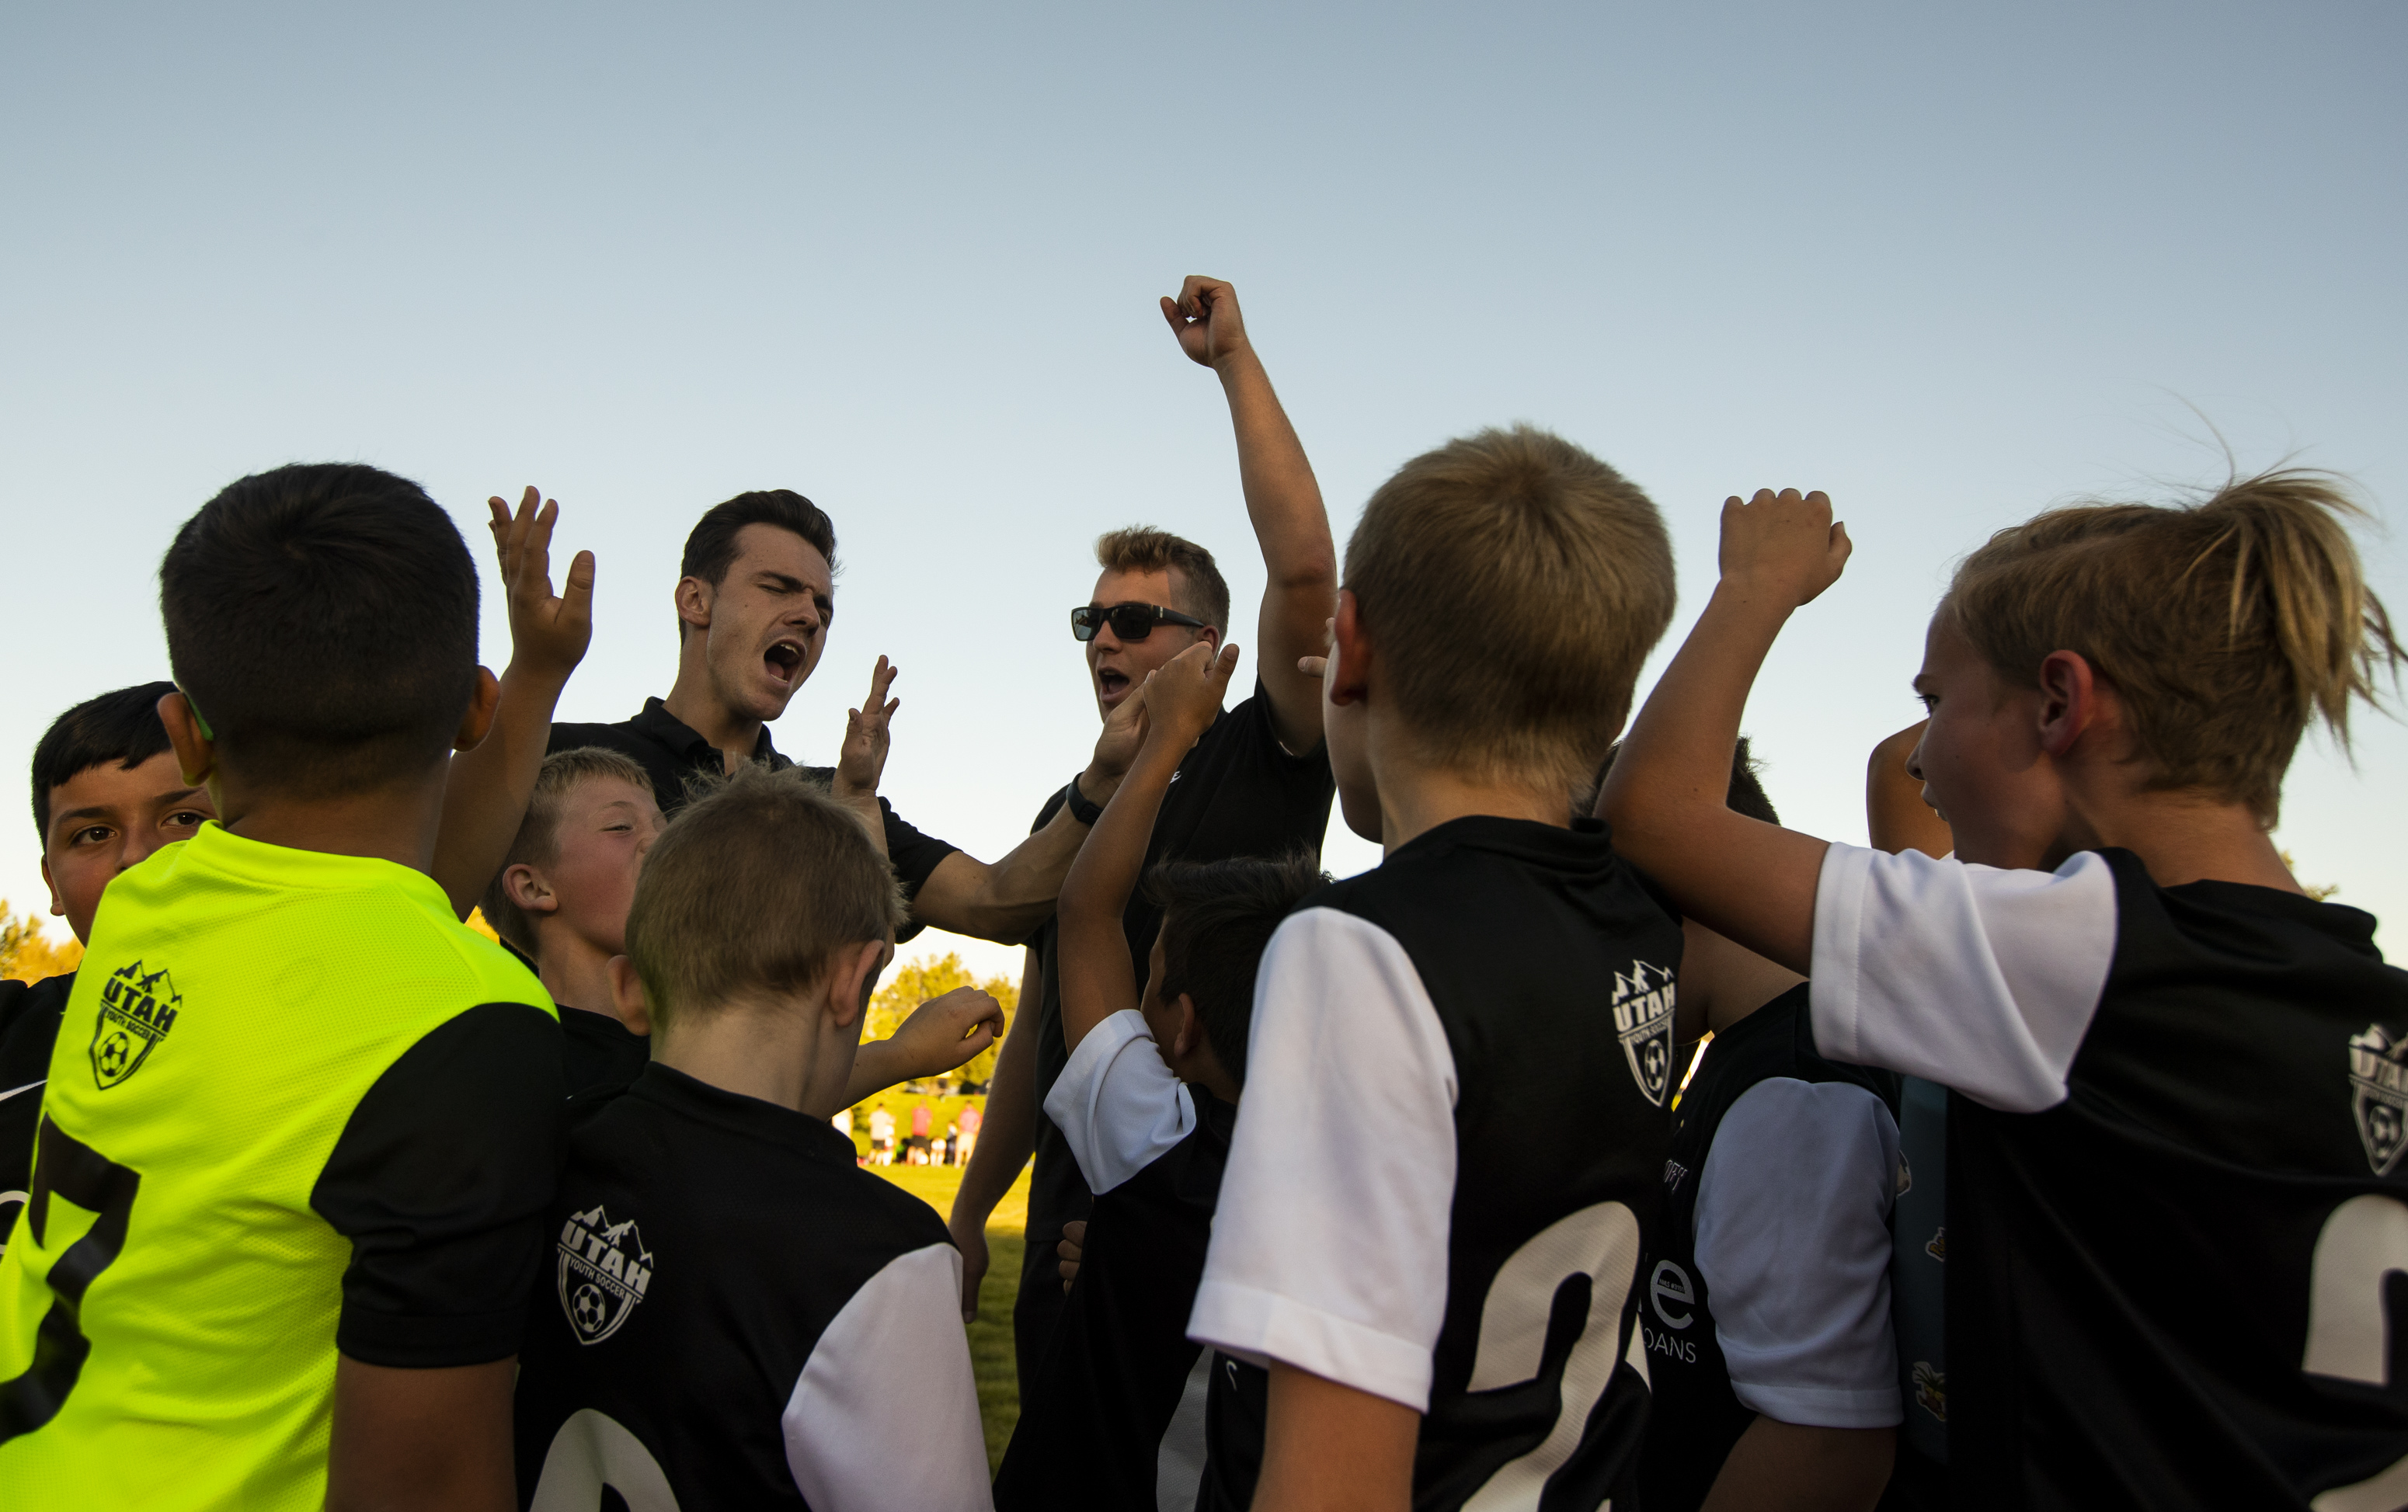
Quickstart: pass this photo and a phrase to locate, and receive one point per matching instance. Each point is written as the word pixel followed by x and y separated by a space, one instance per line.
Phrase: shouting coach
pixel 1256 784
pixel 755 594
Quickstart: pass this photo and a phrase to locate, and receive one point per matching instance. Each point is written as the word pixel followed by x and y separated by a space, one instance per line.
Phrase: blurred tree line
pixel 916 981
pixel 27 953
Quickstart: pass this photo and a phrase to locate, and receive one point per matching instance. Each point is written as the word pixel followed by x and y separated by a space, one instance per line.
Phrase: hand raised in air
pixel 547 635
pixel 868 736
pixel 1784 546
pixel 1205 318
pixel 1183 696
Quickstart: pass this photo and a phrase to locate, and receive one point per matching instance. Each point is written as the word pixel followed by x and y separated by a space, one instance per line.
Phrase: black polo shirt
pixel 672 755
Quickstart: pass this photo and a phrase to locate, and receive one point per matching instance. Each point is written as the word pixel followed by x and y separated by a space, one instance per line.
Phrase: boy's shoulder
pixel 1502 878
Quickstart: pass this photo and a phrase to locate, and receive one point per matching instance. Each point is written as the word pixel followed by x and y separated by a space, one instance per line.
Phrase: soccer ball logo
pixel 591 1311
pixel 603 1272
pixel 114 1053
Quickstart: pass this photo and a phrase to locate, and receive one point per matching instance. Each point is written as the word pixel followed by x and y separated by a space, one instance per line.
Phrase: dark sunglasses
pixel 1129 621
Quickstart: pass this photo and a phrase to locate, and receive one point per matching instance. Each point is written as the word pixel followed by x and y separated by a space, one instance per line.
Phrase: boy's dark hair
pixel 710 547
pixel 1746 796
pixel 322 619
pixel 121 726
pixel 1217 917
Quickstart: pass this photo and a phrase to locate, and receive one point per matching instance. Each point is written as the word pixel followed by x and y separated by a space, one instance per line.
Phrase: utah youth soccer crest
pixel 1643 1016
pixel 2378 1082
pixel 137 1007
pixel 604 1272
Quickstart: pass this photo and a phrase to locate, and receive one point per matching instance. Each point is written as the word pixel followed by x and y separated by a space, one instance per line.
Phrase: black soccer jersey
pixel 735 1315
pixel 598 1051
pixel 2177 1203
pixel 1117 1421
pixel 1453 1136
pixel 1777 1200
pixel 29 1030
pixel 1239 792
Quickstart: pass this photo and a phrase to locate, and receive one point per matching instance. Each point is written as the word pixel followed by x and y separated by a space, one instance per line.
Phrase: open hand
pixel 1205 318
pixel 861 762
pixel 1183 694
pixel 1116 748
pixel 547 635
pixel 944 1032
pixel 1072 1248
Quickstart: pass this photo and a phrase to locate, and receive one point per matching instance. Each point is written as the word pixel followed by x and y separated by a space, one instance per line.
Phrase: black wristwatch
pixel 1081 810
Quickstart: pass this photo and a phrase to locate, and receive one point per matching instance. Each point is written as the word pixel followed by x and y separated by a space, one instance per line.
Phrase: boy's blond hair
pixel 754 888
pixel 2225 625
pixel 1512 585
pixel 539 838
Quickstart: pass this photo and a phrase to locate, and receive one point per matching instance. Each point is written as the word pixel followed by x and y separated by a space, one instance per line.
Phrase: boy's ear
pixel 1350 678
pixel 478 721
pixel 1189 1036
pixel 196 755
pixel 525 887
pixel 627 996
pixel 2071 701
pixel 855 977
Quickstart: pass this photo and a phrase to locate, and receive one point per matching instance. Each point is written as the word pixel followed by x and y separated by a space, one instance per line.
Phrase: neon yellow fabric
pixel 237 1002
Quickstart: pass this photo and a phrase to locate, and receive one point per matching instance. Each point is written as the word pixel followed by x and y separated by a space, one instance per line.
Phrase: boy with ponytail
pixel 2176 1180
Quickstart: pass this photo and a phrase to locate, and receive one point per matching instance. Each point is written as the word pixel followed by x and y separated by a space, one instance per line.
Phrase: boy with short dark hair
pixel 741 1316
pixel 106 794
pixel 1146 1102
pixel 1445 1310
pixel 300 1123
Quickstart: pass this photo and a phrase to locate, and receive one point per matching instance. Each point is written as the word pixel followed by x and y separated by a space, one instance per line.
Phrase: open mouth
pixel 785 660
pixel 1110 681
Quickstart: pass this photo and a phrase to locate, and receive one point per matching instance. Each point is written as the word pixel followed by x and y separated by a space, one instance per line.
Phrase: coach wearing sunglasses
pixel 1256 784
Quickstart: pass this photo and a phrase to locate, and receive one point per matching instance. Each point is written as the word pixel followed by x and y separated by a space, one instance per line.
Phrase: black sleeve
pixel 29 1028
pixel 439 1182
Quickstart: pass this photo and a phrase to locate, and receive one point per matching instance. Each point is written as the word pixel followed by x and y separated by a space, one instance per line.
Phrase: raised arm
pixel 861 762
pixel 1667 794
pixel 1283 499
pixel 1006 899
pixel 1098 979
pixel 1005 1141
pixel 939 1036
pixel 486 793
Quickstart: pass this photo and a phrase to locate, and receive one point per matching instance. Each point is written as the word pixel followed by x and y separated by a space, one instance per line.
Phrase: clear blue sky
pixel 1951 265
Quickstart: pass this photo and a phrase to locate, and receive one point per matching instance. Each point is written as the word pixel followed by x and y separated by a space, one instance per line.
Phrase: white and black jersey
pixel 1238 792
pixel 1767 1284
pixel 2177 1206
pixel 1116 1422
pixel 1452 1138
pixel 735 1315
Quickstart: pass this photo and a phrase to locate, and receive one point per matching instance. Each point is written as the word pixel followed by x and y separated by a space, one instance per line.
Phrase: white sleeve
pixel 1117 1103
pixel 886 1413
pixel 1330 1247
pixel 1978 979
pixel 1793 1241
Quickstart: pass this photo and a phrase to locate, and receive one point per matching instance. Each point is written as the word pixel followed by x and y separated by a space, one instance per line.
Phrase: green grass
pixel 991 1358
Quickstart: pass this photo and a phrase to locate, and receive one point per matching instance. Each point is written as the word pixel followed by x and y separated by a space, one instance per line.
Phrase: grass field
pixel 999 1384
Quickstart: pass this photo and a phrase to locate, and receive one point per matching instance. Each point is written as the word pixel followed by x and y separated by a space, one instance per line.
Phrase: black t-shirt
pixel 1697 1415
pixel 1239 792
pixel 672 755
pixel 1453 1142
pixel 29 1028
pixel 739 1317
pixel 2177 1203
pixel 1118 1419
pixel 446 1239
pixel 598 1051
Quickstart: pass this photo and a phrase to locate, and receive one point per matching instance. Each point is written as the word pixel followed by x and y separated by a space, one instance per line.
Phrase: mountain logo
pixel 1643 1017
pixel 137 1007
pixel 605 1270
pixel 2378 1081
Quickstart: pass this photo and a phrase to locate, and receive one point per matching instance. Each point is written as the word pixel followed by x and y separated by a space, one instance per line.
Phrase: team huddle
pixel 2044 1153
